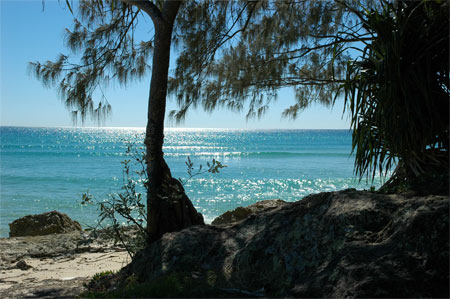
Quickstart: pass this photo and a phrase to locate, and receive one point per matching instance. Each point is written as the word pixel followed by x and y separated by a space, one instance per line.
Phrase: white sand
pixel 83 265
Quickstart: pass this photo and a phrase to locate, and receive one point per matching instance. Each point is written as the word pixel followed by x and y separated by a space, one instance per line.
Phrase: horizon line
pixel 168 128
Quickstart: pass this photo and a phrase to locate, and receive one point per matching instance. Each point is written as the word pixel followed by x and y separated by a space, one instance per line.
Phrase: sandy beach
pixel 54 265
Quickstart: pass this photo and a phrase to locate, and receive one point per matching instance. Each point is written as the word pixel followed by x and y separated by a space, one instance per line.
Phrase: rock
pixel 337 244
pixel 22 265
pixel 48 288
pixel 240 213
pixel 43 224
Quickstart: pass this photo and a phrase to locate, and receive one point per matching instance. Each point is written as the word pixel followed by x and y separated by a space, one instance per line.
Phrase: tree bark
pixel 168 207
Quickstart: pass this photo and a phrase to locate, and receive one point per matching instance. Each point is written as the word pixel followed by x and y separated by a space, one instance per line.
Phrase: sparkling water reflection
pixel 46 169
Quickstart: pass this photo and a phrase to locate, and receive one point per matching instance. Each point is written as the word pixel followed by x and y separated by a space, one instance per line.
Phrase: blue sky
pixel 29 33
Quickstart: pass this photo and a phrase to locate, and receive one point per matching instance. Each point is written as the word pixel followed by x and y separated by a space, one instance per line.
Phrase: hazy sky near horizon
pixel 29 33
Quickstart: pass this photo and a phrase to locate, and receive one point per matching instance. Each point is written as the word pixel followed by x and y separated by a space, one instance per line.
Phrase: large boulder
pixel 241 213
pixel 338 244
pixel 48 223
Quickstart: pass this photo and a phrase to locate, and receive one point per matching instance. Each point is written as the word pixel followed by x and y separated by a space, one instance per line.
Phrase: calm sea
pixel 44 169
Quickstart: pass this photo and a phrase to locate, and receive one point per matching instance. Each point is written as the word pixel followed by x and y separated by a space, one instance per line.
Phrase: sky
pixel 29 34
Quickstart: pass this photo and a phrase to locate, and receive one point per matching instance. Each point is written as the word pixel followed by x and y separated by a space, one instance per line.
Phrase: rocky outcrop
pixel 241 213
pixel 338 244
pixel 43 224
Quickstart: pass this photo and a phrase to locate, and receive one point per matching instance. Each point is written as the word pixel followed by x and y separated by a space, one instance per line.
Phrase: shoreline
pixel 55 265
pixel 60 265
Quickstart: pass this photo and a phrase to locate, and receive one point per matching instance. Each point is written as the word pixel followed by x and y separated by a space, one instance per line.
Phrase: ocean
pixel 45 169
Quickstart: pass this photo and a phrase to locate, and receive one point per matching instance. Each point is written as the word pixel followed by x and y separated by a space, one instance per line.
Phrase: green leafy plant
pixel 398 93
pixel 99 275
pixel 213 167
pixel 123 215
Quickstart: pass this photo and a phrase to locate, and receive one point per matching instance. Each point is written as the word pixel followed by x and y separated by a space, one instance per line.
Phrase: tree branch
pixel 151 9
pixel 170 10
pixel 227 37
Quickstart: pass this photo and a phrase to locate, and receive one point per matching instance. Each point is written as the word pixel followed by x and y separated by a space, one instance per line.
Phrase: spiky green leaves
pixel 398 94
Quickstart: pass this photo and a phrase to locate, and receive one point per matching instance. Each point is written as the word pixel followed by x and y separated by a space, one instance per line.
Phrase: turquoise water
pixel 44 169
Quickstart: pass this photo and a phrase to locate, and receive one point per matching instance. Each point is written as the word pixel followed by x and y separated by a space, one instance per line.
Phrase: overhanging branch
pixel 151 9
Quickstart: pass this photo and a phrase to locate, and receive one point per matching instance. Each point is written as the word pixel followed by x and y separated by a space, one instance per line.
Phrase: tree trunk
pixel 433 180
pixel 168 207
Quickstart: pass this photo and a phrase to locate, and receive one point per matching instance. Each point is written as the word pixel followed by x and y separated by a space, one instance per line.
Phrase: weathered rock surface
pixel 48 223
pixel 241 213
pixel 49 288
pixel 339 244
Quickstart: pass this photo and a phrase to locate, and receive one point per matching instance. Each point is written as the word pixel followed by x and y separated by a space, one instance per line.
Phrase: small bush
pixel 123 215
pixel 99 275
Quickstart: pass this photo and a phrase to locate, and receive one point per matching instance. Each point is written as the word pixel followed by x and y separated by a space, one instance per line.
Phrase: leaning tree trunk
pixel 168 207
